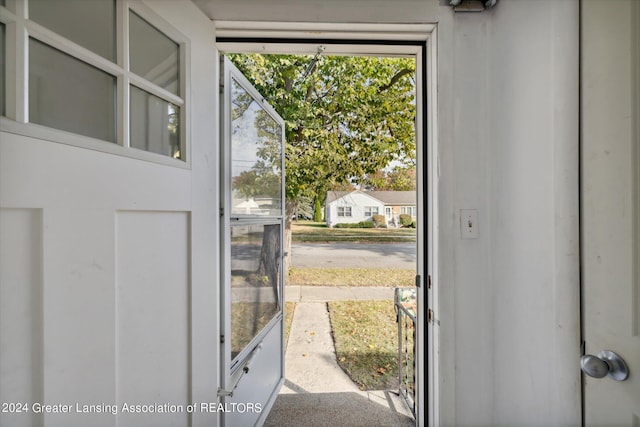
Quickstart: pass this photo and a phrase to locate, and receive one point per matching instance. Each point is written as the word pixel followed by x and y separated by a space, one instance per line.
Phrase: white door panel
pixel 95 285
pixel 153 290
pixel 21 330
pixel 610 211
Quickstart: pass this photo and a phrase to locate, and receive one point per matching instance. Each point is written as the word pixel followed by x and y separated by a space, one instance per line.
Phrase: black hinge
pixel 221 339
pixel 418 281
pixel 221 82
pixel 221 211
pixel 429 282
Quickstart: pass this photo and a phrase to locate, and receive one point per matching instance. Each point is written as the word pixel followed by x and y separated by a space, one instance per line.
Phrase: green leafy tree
pixel 397 179
pixel 346 117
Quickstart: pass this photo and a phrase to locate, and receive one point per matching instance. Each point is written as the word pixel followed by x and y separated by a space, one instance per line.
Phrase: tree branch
pixel 395 79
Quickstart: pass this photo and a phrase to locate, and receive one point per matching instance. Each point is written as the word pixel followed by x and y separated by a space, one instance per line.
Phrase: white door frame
pixel 419 40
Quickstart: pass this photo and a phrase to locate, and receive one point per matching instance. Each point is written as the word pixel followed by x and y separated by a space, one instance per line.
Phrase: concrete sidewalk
pixel 336 293
pixel 316 391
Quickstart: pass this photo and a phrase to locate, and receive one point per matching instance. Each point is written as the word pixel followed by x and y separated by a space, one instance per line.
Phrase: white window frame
pixel 408 210
pixel 371 211
pixel 18 30
pixel 344 211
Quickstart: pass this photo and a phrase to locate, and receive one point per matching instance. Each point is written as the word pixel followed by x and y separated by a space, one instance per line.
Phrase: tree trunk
pixel 290 208
pixel 270 255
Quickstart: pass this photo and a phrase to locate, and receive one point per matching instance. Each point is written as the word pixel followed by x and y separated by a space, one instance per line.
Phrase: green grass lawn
pixel 351 277
pixel 366 341
pixel 304 231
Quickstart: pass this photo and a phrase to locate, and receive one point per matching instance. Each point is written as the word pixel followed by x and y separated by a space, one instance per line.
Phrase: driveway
pixel 354 255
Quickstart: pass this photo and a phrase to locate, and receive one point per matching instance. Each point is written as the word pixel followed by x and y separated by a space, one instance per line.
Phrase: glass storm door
pixel 252 369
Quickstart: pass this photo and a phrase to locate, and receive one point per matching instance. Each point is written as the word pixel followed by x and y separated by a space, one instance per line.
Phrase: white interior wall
pixel 515 159
pixel 533 209
pixel 507 146
pixel 465 186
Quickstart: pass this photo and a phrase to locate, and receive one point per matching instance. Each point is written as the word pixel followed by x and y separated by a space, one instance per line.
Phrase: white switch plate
pixel 469 223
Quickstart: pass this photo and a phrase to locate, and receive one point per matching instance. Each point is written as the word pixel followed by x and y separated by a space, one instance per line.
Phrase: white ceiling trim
pixel 325 32
pixel 372 31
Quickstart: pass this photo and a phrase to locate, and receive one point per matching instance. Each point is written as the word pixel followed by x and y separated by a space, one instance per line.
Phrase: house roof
pixel 335 195
pixel 398 198
pixel 395 198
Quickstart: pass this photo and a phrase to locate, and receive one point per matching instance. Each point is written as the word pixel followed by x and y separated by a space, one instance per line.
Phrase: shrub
pixel 413 224
pixel 379 221
pixel 405 220
pixel 361 224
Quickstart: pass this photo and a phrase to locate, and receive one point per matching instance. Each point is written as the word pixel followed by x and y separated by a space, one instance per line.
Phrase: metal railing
pixel 405 304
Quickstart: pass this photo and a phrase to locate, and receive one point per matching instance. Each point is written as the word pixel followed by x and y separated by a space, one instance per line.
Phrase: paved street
pixel 354 255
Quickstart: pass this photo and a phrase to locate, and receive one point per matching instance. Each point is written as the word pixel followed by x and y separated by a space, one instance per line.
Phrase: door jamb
pixel 378 39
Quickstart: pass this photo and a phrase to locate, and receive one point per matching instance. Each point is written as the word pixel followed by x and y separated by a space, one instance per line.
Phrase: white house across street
pixel 355 206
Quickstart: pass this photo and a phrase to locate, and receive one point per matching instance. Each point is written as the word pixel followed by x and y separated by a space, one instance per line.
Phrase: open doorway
pixel 417 52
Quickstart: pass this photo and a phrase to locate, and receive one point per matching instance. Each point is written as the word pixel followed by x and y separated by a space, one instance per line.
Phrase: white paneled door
pixel 610 104
pixel 95 289
pixel 108 209
pixel 252 351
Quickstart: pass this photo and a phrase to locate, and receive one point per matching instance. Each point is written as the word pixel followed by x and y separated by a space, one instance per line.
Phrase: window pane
pixel 68 94
pixel 153 55
pixel 344 211
pixel 155 124
pixel 256 157
pixel 3 72
pixel 91 24
pixel 255 281
pixel 370 210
